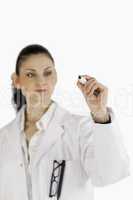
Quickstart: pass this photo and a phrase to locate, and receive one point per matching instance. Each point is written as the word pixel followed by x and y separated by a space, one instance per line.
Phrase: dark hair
pixel 18 98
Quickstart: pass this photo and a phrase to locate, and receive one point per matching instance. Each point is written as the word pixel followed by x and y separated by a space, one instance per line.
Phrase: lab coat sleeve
pixel 102 152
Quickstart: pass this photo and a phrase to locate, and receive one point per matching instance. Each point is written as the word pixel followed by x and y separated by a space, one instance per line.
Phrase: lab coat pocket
pixel 73 178
pixel 74 173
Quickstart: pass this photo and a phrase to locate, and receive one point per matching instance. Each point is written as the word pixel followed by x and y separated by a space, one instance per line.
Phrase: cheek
pixel 51 81
pixel 54 78
pixel 27 86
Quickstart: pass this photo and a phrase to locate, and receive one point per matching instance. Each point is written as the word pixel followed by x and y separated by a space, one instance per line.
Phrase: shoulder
pixel 11 126
pixel 5 133
pixel 6 129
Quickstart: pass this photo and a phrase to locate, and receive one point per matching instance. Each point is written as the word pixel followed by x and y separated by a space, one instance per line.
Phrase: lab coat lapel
pixel 51 135
pixel 49 138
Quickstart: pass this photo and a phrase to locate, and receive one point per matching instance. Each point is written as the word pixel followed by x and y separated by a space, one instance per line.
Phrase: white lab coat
pixel 94 154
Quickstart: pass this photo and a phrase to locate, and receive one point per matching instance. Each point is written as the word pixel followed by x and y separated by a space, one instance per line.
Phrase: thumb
pixel 80 86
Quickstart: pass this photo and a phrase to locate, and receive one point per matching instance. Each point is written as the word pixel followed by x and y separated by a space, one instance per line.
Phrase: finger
pixel 80 85
pixel 89 77
pixel 85 86
pixel 89 87
pixel 94 89
pixel 89 83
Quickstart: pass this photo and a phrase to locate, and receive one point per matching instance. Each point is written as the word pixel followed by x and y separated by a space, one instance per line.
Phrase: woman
pixel 48 152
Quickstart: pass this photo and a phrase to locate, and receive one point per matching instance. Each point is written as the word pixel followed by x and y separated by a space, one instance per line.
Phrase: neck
pixel 33 114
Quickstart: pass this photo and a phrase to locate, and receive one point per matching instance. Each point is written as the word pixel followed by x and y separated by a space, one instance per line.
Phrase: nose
pixel 41 82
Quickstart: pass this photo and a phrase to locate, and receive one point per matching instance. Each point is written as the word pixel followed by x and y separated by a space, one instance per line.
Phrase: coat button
pixel 21 164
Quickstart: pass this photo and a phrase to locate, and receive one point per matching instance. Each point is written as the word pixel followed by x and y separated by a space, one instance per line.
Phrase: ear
pixel 15 80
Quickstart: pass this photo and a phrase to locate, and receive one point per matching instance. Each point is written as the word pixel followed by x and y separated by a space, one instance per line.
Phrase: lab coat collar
pixel 44 120
pixel 50 137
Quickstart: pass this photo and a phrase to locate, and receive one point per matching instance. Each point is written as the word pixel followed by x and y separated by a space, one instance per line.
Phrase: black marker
pixel 83 81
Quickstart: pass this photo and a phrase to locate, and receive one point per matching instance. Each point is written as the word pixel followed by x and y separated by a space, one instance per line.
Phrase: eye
pixel 47 73
pixel 30 75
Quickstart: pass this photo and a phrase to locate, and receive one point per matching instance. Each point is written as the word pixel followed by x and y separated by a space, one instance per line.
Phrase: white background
pixel 85 37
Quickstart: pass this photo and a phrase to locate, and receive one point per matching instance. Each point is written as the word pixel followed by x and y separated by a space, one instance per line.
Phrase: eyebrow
pixel 31 69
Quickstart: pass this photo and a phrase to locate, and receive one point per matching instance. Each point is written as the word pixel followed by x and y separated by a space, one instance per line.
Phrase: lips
pixel 40 90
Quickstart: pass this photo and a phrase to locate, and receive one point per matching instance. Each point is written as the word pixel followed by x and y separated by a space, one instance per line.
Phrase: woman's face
pixel 37 79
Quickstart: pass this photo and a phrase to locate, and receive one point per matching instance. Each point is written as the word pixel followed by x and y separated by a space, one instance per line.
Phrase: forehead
pixel 37 61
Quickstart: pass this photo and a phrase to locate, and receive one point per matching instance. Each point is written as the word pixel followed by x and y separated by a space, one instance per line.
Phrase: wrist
pixel 101 116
